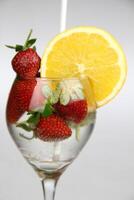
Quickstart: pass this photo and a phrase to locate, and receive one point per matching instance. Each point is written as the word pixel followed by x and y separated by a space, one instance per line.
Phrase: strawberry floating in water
pixel 52 128
pixel 75 111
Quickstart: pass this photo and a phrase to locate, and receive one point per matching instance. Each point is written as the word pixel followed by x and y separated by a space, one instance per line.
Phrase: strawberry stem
pixel 77 129
pixel 27 138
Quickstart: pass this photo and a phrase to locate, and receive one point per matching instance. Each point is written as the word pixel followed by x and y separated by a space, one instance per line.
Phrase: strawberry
pixel 13 112
pixel 52 128
pixel 23 92
pixel 26 62
pixel 74 111
pixel 19 99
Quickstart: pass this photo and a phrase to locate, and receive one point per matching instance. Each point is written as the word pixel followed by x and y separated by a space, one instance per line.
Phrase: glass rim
pixel 63 78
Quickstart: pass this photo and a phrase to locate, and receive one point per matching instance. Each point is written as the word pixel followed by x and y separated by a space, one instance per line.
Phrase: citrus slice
pixel 87 51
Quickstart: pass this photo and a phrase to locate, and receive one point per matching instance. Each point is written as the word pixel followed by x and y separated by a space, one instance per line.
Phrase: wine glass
pixel 50 120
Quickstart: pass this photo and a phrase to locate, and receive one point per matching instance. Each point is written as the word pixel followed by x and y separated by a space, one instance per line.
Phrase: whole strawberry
pixel 13 112
pixel 52 128
pixel 26 62
pixel 23 92
pixel 19 99
pixel 75 111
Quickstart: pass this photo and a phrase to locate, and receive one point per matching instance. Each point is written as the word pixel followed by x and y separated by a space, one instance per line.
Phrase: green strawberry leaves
pixel 48 110
pixel 31 122
pixel 24 126
pixel 17 47
pixel 34 118
pixel 28 43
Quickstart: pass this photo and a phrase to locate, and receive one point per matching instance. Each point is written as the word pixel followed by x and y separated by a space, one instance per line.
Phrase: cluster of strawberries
pixel 26 64
pixel 50 127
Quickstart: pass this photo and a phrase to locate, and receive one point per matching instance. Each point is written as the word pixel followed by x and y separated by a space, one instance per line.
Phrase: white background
pixel 105 168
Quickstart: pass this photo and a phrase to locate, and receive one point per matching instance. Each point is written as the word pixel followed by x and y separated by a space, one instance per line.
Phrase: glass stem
pixel 49 186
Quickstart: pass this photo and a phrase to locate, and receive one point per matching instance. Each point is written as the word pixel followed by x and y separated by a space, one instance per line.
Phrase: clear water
pixel 51 156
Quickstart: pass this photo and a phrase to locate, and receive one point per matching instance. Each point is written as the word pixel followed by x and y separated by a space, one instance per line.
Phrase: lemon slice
pixel 87 51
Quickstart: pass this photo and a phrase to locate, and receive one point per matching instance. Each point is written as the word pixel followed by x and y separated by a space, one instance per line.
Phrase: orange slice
pixel 87 51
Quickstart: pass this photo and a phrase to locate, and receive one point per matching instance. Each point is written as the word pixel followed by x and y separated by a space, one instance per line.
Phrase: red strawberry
pixel 75 111
pixel 23 92
pixel 52 128
pixel 13 113
pixel 26 63
pixel 19 99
